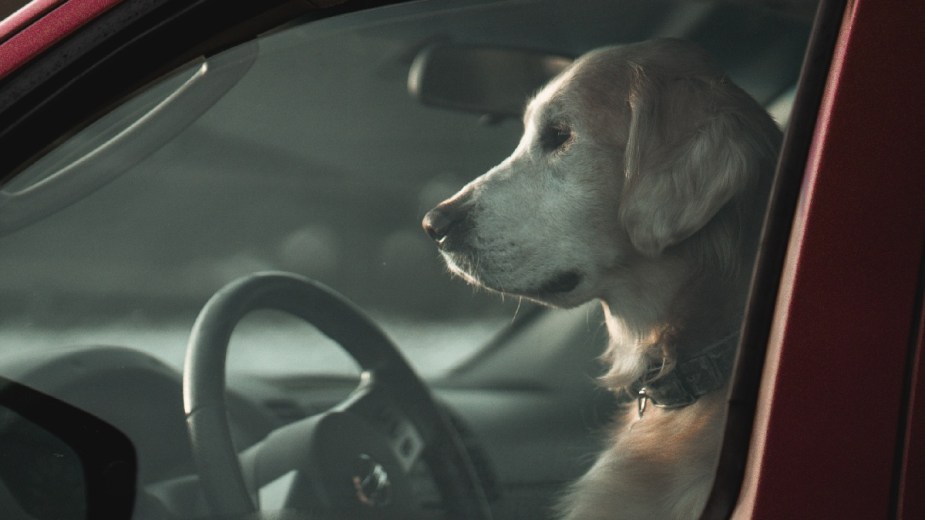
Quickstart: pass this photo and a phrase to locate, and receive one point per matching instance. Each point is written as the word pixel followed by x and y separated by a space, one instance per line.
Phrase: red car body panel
pixel 25 16
pixel 33 29
pixel 829 434
pixel 840 428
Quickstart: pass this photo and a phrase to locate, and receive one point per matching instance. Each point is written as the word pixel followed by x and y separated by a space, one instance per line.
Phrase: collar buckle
pixel 642 399
pixel 692 378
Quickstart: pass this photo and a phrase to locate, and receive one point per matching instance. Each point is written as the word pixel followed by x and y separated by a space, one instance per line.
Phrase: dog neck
pixel 668 321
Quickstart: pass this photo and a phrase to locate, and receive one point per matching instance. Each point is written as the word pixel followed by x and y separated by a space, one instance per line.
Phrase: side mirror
pixel 60 462
pixel 487 80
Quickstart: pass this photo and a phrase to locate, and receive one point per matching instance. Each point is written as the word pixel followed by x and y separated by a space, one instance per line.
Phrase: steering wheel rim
pixel 204 388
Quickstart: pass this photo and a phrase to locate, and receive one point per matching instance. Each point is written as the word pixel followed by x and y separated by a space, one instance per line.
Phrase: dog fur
pixel 639 181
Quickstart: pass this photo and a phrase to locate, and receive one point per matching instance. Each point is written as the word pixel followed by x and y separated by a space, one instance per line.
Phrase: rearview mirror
pixel 487 80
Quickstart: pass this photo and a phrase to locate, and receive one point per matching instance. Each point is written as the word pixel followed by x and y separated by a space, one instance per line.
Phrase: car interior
pixel 308 156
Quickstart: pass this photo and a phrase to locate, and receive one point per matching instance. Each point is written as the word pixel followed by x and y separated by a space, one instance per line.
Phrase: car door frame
pixel 838 412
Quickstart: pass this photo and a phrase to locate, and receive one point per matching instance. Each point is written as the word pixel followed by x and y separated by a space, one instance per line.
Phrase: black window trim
pixel 766 277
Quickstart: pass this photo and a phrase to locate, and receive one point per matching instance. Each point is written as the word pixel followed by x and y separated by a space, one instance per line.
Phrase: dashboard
pixel 525 439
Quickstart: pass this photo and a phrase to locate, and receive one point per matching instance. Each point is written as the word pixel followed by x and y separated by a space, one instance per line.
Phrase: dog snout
pixel 440 221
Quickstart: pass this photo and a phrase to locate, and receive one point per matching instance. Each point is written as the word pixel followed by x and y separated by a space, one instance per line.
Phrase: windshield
pixel 311 156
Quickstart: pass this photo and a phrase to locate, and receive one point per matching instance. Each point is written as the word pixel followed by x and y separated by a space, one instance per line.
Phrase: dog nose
pixel 439 221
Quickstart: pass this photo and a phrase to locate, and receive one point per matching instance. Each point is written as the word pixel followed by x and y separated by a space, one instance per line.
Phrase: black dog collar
pixel 692 377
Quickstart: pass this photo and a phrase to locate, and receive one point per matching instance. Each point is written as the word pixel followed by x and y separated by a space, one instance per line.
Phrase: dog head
pixel 627 156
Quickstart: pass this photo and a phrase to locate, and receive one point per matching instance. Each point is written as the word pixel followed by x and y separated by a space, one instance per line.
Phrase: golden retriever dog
pixel 640 181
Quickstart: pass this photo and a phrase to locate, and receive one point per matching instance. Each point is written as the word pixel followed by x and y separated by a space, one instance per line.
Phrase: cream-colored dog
pixel 640 181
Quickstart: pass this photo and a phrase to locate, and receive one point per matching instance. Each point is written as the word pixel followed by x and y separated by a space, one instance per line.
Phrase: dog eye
pixel 553 137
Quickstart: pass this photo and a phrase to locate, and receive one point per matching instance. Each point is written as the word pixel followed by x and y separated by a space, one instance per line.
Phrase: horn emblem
pixel 371 482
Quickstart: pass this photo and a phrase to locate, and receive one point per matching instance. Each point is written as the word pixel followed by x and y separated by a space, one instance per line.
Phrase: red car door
pixel 839 426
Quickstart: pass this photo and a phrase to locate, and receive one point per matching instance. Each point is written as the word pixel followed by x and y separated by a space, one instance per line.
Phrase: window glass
pixel 317 150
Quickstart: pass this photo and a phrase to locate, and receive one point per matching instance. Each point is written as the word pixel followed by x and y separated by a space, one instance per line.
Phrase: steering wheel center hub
pixel 371 482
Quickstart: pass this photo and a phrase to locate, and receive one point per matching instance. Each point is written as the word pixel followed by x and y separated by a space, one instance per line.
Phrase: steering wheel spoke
pixel 373 404
pixel 281 452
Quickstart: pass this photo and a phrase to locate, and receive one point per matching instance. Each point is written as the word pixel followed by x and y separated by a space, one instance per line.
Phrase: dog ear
pixel 687 154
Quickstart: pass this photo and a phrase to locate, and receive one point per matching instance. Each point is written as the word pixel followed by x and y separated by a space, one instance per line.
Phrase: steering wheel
pixel 353 460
